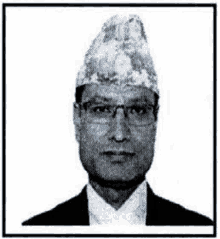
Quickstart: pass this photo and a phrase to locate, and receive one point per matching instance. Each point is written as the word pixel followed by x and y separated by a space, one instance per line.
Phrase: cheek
pixel 92 134
pixel 90 145
pixel 144 145
pixel 144 138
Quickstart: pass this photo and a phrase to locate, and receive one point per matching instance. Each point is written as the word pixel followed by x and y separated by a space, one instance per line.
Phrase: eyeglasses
pixel 140 114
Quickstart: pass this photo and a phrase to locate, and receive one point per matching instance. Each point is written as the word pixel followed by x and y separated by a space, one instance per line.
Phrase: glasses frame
pixel 123 106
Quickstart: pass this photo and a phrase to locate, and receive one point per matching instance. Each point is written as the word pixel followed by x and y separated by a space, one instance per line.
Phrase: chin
pixel 117 183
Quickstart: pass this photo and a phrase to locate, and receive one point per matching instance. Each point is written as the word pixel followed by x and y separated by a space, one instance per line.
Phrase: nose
pixel 120 130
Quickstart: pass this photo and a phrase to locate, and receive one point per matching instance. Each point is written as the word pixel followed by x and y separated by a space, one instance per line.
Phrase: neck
pixel 114 194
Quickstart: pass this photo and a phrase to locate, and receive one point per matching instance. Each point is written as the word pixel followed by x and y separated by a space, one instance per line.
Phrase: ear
pixel 77 121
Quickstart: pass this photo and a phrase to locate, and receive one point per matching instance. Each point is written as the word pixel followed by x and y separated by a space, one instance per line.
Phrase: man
pixel 115 117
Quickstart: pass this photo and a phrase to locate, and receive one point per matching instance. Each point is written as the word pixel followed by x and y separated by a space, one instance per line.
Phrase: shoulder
pixel 175 214
pixel 66 213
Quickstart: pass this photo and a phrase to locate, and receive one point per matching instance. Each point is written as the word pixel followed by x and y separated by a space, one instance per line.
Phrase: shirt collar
pixel 132 211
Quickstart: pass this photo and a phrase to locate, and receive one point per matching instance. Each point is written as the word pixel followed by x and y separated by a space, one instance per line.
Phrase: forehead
pixel 119 94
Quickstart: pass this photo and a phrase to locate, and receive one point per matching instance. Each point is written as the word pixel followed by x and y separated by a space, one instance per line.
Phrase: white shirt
pixel 132 212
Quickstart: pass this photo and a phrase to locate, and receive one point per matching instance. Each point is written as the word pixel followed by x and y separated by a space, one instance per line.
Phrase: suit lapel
pixel 152 208
pixel 81 215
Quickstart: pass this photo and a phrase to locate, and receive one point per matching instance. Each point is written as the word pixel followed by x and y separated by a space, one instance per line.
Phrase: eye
pixel 140 110
pixel 101 109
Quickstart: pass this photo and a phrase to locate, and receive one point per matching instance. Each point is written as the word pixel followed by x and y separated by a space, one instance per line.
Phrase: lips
pixel 117 153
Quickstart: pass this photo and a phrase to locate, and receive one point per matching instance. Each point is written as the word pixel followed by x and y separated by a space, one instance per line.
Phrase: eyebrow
pixel 140 100
pixel 98 98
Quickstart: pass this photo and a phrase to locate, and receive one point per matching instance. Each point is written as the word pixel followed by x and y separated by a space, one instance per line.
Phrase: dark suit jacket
pixel 160 212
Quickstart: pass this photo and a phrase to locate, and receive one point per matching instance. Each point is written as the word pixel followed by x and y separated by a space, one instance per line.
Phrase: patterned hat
pixel 119 55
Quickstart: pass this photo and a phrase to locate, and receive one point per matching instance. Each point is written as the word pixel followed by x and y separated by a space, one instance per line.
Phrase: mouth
pixel 118 153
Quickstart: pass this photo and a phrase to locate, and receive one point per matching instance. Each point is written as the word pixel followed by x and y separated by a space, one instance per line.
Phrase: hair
pixel 80 89
pixel 79 93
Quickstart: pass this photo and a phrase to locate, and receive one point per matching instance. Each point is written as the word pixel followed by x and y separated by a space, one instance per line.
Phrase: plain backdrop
pixel 45 48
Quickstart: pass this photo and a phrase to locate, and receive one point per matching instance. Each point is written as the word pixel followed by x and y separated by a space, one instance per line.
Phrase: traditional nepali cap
pixel 119 55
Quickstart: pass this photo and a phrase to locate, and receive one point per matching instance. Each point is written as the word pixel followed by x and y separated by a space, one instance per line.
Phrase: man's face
pixel 117 151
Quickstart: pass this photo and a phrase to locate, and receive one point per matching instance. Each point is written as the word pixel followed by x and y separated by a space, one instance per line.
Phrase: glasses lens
pixel 140 115
pixel 99 113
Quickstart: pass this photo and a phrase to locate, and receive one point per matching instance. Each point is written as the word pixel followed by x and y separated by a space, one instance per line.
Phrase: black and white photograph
pixel 109 119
